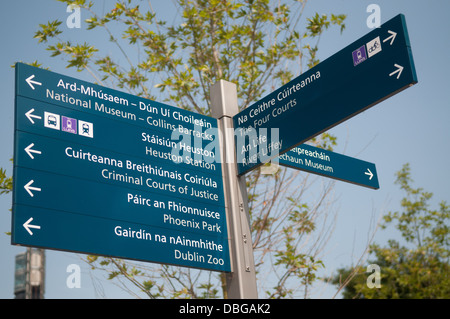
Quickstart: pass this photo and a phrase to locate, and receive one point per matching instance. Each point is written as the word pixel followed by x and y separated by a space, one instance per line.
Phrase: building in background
pixel 29 276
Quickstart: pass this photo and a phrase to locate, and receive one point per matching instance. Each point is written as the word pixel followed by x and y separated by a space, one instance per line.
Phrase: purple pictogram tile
pixel 359 55
pixel 69 125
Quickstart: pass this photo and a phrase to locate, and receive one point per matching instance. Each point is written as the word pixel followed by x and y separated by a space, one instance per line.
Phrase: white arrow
pixel 391 37
pixel 31 82
pixel 29 188
pixel 369 173
pixel 29 150
pixel 27 226
pixel 30 116
pixel 399 71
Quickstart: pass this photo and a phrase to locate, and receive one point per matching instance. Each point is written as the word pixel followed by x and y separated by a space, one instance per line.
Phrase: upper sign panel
pixel 366 72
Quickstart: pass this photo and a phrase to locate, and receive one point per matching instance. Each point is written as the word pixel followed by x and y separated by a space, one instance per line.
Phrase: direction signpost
pixel 103 172
pixel 368 71
pixel 99 171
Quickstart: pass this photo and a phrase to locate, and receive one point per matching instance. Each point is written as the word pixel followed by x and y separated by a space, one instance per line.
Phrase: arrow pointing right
pixel 29 150
pixel 29 188
pixel 27 226
pixel 391 37
pixel 399 71
pixel 369 173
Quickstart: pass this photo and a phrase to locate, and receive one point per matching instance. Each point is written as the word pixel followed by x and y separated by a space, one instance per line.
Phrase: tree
pixel 5 182
pixel 421 267
pixel 256 45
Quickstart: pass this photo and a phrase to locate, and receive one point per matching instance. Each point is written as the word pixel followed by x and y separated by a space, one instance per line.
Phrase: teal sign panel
pixel 366 72
pixel 330 164
pixel 99 171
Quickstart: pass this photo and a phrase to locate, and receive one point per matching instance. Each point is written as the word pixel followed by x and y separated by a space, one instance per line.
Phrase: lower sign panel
pixel 333 165
pixel 93 235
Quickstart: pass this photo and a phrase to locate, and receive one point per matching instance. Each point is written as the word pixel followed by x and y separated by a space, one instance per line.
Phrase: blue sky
pixel 409 127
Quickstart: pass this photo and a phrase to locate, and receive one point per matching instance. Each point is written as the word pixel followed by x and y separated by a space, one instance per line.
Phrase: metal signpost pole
pixel 241 282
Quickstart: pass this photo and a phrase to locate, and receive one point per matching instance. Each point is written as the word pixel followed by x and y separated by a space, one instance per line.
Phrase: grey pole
pixel 241 282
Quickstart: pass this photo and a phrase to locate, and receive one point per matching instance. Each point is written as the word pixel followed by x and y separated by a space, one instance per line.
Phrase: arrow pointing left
pixel 30 188
pixel 30 116
pixel 29 150
pixel 27 226
pixel 30 81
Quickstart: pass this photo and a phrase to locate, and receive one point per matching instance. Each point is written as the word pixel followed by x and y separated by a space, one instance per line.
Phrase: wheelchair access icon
pixel 85 129
pixel 374 46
